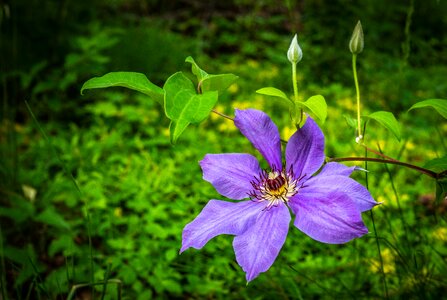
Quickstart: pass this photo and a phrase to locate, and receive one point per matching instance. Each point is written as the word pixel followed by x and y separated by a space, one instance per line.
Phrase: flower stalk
pixel 356 45
pixel 357 90
pixel 295 54
pixel 295 96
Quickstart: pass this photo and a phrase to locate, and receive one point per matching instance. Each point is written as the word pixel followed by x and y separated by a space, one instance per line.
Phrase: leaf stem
pixel 222 115
pixel 357 90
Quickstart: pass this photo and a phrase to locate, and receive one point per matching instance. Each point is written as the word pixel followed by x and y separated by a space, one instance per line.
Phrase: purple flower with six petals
pixel 327 206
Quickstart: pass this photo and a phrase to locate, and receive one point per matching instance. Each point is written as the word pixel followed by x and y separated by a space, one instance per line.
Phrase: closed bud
pixel 356 43
pixel 359 139
pixel 294 54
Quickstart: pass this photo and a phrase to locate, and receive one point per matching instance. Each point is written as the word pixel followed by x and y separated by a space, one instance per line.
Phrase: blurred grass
pixel 141 191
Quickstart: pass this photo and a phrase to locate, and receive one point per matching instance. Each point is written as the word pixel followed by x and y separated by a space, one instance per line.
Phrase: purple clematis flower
pixel 327 206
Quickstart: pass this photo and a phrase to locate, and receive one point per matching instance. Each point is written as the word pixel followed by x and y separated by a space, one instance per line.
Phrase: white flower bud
pixel 359 139
pixel 294 54
pixel 356 43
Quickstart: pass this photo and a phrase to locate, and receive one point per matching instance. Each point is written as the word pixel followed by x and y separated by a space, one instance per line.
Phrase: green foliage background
pixel 135 191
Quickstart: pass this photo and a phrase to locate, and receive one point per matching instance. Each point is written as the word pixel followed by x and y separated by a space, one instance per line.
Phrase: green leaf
pixel 176 128
pixel 196 70
pixel 51 217
pixel 25 258
pixel 387 120
pixel 440 105
pixel 218 82
pixel 350 121
pixel 441 189
pixel 130 80
pixel 274 92
pixel 317 105
pixel 183 106
pixel 20 210
pixel 63 243
pixel 178 90
pixel 437 165
pixel 208 82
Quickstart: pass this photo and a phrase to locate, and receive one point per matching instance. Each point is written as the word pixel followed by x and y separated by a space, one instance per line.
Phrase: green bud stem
pixel 356 82
pixel 295 98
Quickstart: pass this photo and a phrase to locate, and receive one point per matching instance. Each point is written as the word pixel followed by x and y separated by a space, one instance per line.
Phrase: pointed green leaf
pixel 350 121
pixel 441 188
pixel 131 80
pixel 317 105
pixel 176 128
pixel 51 217
pixel 218 82
pixel 440 105
pixel 208 82
pixel 437 165
pixel 274 92
pixel 196 70
pixel 183 106
pixel 387 120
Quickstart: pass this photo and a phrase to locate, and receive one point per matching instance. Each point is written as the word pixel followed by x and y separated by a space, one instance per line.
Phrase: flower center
pixel 274 187
pixel 276 184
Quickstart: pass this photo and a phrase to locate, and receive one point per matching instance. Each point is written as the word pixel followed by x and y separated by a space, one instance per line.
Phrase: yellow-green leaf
pixel 317 105
pixel 274 92
pixel 387 120
pixel 183 106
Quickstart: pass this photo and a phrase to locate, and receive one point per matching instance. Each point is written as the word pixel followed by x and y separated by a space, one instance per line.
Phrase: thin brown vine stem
pixel 388 161
pixel 377 152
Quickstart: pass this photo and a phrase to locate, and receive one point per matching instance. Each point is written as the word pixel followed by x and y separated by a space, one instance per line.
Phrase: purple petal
pixel 257 248
pixel 334 168
pixel 305 150
pixel 332 218
pixel 219 217
pixel 260 130
pixel 336 183
pixel 230 173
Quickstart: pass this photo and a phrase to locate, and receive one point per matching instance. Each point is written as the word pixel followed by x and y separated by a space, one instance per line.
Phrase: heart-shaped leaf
pixel 387 120
pixel 183 106
pixel 130 80
pixel 317 105
pixel 440 105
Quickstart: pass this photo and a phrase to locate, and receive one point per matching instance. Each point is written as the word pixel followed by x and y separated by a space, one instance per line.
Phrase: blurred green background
pixel 136 191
